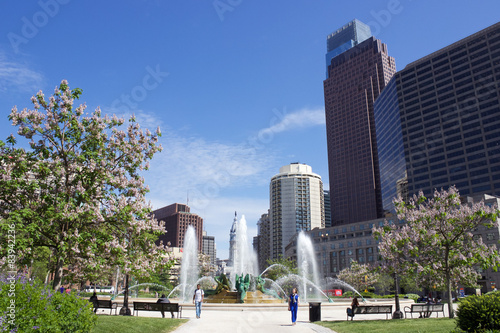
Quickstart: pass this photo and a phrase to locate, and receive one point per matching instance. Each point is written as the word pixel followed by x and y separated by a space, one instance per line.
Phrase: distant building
pixel 209 247
pixel 177 218
pixel 296 203
pixel 356 76
pixel 263 248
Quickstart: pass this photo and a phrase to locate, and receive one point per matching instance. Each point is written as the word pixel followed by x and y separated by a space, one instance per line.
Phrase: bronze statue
pixel 242 285
pixel 222 283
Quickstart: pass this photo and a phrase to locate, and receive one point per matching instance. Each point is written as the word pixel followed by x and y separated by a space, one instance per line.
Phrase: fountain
pixel 189 265
pixel 308 269
pixel 252 287
pixel 332 282
pixel 244 257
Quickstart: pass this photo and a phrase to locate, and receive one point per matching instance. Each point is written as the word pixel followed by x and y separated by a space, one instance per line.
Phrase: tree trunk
pixel 58 274
pixel 450 301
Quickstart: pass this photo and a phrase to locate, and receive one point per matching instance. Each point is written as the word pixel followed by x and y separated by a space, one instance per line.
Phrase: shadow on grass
pixel 130 324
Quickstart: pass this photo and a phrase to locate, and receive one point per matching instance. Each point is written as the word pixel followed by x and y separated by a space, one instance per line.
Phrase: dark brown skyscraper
pixel 177 218
pixel 356 77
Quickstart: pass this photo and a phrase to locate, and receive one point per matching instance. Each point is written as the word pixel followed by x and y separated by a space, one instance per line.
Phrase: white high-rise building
pixel 296 203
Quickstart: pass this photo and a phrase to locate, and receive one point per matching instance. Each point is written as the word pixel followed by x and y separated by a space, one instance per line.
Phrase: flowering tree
pixel 359 276
pixel 206 267
pixel 437 240
pixel 77 190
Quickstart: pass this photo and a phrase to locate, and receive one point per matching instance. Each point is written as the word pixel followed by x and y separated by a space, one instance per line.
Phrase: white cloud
pixel 217 177
pixel 298 119
pixel 203 169
pixel 14 75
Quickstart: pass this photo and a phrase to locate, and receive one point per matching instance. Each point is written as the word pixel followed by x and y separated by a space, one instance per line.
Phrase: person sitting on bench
pixel 164 299
pixel 93 299
pixel 354 305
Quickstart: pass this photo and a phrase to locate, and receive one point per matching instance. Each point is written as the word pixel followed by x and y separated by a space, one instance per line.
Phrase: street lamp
pixel 397 314
pixel 125 311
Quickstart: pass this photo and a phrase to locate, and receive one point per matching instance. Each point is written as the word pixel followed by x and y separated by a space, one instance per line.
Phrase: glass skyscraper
pixel 355 79
pixel 448 104
pixel 345 38
pixel 391 155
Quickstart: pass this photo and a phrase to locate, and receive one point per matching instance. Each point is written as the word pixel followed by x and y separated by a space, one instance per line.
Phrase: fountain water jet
pixel 189 265
pixel 244 257
pixel 306 262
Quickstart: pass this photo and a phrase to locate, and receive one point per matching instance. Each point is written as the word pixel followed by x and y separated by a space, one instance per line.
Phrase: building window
pixel 490 236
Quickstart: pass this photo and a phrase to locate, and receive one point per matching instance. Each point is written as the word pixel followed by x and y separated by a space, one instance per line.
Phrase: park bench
pixel 166 307
pixel 373 309
pixel 426 309
pixel 107 304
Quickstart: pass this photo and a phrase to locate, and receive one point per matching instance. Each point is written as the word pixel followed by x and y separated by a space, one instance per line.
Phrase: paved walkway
pixel 248 319
pixel 242 318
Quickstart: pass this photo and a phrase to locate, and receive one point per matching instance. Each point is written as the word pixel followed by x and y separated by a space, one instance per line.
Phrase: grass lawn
pixel 434 325
pixel 130 324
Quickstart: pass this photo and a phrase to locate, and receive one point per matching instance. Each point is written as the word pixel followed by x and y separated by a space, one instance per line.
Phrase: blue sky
pixel 235 85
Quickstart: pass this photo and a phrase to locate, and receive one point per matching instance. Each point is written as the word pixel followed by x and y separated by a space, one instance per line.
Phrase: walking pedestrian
pixel 293 305
pixel 198 299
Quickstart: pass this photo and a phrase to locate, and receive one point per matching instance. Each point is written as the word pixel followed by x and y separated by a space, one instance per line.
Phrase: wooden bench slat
pixel 373 309
pixel 165 307
pixel 106 304
pixel 424 308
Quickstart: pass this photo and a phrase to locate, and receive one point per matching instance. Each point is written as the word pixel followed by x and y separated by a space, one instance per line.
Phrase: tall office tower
pixel 208 247
pixel 345 38
pixel 355 79
pixel 232 240
pixel 438 120
pixel 328 209
pixel 264 241
pixel 177 218
pixel 297 203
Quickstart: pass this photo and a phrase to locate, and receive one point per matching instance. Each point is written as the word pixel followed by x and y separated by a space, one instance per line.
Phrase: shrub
pixel 414 297
pixel 28 306
pixel 479 313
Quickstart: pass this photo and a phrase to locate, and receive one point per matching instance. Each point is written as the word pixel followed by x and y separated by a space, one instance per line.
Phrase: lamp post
pixel 397 314
pixel 125 311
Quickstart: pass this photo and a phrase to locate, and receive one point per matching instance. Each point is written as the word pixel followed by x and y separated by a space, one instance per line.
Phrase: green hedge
pixel 28 306
pixel 479 313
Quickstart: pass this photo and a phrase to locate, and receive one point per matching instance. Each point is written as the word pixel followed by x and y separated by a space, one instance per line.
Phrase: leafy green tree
pixel 77 190
pixel 280 267
pixel 437 240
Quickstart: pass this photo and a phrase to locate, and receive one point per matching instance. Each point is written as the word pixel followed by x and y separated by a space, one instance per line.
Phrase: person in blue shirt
pixel 293 304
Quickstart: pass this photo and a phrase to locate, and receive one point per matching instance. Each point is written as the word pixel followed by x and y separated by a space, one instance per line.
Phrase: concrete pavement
pixel 240 318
